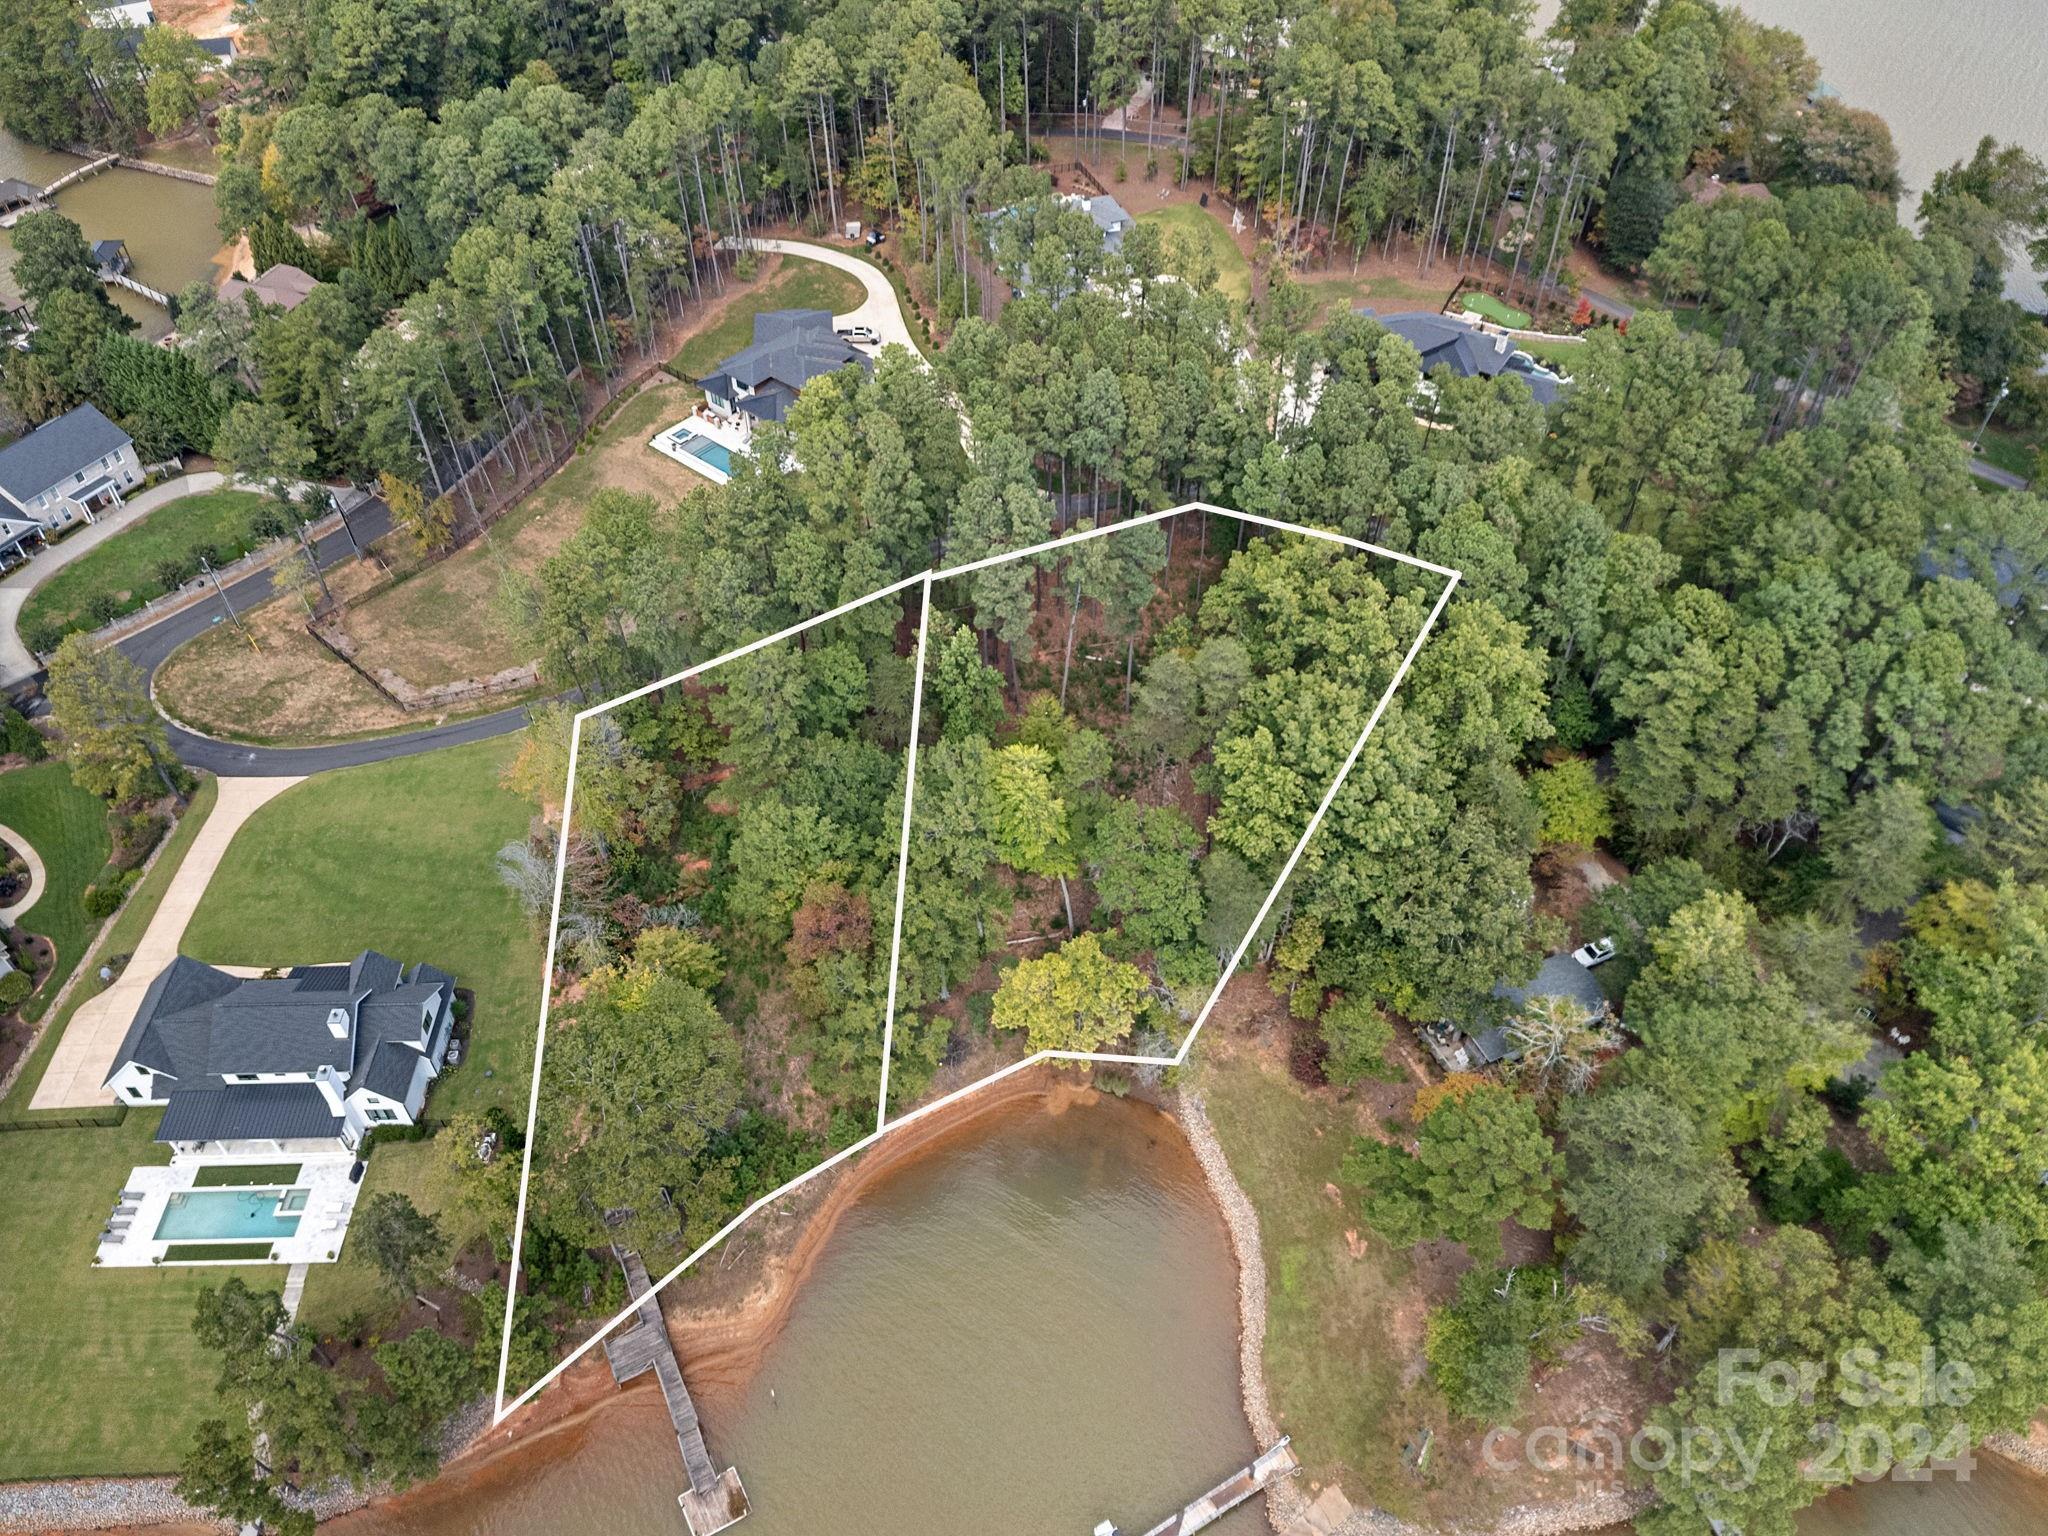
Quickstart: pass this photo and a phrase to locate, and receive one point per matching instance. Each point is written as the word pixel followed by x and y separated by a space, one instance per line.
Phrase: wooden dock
pixel 1277 1462
pixel 714 1499
pixel 69 177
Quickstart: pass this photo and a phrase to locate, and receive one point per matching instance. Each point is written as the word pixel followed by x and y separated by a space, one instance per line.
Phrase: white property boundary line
pixel 883 1124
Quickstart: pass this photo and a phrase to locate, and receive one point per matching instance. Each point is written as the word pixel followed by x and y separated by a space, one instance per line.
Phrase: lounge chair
pixel 133 1194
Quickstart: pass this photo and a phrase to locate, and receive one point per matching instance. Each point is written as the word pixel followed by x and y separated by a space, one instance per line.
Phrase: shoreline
pixel 723 1346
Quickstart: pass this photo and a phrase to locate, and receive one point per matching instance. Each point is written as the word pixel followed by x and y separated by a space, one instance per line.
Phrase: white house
pixel 70 468
pixel 133 13
pixel 305 1062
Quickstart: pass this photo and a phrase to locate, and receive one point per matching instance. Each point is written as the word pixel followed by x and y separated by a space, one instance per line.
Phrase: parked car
pixel 1522 362
pixel 875 238
pixel 860 335
pixel 1599 952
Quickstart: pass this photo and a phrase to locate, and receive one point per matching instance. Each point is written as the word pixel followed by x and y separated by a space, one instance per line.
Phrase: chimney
pixel 329 1082
pixel 337 1023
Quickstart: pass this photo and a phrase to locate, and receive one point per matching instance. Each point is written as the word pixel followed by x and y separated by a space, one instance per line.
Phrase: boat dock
pixel 78 175
pixel 123 280
pixel 1275 1463
pixel 714 1500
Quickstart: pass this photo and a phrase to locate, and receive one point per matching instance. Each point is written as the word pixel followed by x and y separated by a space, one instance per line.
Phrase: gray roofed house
pixel 1464 349
pixel 16 536
pixel 284 286
pixel 1464 1050
pixel 322 1053
pixel 72 467
pixel 790 348
pixel 1111 218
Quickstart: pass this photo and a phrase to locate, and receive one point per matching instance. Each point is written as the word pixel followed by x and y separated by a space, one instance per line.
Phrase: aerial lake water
pixel 1030 1328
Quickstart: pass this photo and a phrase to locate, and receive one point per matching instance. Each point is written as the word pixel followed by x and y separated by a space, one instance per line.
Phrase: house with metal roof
pixel 1467 351
pixel 790 348
pixel 308 1061
pixel 67 469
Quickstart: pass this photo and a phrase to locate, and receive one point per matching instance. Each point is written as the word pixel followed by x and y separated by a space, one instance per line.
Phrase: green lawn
pixel 124 568
pixel 68 828
pixel 799 284
pixel 1562 355
pixel 2012 452
pixel 1332 1365
pixel 244 1175
pixel 100 1363
pixel 1495 310
pixel 129 925
pixel 399 857
pixel 1191 222
pixel 352 1289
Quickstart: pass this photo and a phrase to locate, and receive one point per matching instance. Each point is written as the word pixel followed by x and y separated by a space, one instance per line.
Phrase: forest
pixel 1734 611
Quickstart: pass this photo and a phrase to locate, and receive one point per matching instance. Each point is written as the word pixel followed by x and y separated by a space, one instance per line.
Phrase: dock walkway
pixel 1275 1463
pixel 714 1499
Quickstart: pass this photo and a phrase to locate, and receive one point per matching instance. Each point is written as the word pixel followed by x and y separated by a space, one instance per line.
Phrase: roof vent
pixel 337 1023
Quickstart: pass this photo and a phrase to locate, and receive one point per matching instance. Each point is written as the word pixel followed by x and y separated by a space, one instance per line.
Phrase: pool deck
pixel 143 1199
pixel 711 428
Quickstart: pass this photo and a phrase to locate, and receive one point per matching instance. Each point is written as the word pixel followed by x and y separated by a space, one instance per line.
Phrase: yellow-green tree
pixel 1075 999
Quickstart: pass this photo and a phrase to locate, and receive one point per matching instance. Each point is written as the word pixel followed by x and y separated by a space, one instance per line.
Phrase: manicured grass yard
pixel 124 567
pixel 68 828
pixel 399 857
pixel 352 1288
pixel 797 284
pixel 1495 310
pixel 244 1175
pixel 1561 355
pixel 2012 452
pixel 130 923
pixel 1192 222
pixel 103 1374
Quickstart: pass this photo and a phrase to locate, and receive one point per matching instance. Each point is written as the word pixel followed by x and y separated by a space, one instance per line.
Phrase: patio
pixel 315 1207
pixel 707 440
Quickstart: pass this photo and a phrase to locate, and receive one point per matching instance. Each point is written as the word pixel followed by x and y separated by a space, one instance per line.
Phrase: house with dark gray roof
pixel 298 1062
pixel 67 469
pixel 1486 1041
pixel 284 286
pixel 1466 350
pixel 790 348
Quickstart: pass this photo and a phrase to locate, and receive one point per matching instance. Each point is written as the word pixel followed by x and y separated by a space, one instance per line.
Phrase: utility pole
pixel 313 561
pixel 1997 400
pixel 219 591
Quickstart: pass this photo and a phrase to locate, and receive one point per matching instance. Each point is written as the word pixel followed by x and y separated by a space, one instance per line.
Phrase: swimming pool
pixel 717 455
pixel 250 1213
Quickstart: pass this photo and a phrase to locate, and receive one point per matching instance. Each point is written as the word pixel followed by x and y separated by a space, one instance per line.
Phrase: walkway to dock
pixel 123 280
pixel 78 175
pixel 1275 1463
pixel 714 1499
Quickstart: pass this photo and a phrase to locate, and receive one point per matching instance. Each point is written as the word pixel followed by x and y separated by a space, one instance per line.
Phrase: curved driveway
pixel 879 311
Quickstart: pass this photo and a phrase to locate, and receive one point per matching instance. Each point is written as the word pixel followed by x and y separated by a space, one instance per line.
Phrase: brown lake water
pixel 1027 1330
pixel 168 225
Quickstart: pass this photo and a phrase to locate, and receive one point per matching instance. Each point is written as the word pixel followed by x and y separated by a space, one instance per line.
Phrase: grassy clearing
pixel 1561 355
pixel 245 1175
pixel 1496 310
pixel 1338 290
pixel 130 923
pixel 352 1291
pixel 445 623
pixel 106 1356
pixel 399 857
pixel 214 1253
pixel 1191 222
pixel 1333 1361
pixel 796 284
pixel 124 569
pixel 68 829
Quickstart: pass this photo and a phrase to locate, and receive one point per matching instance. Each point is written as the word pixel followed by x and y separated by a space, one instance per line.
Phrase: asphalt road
pixel 148 648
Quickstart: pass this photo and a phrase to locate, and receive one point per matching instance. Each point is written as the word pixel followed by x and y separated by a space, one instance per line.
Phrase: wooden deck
pixel 714 1499
pixel 1276 1463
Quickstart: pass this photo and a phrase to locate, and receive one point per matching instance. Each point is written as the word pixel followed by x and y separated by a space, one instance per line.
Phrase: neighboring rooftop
pixel 790 348
pixel 1559 976
pixel 284 285
pixel 1464 349
pixel 56 450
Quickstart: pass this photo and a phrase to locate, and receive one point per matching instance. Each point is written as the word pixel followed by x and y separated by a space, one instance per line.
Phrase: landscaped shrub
pixel 135 836
pixel 15 988
pixel 103 900
pixel 17 735
pixel 102 609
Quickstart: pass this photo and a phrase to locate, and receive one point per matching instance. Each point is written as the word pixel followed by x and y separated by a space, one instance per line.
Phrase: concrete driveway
pixel 37 878
pixel 880 312
pixel 85 1054
pixel 16 661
